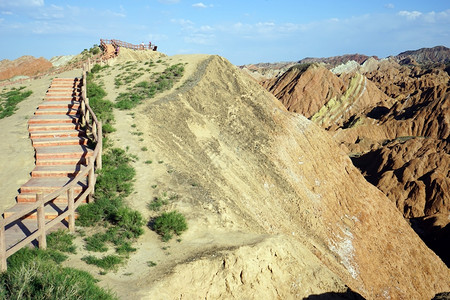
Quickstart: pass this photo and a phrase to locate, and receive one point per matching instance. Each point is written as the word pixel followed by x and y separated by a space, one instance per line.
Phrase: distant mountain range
pixel 423 56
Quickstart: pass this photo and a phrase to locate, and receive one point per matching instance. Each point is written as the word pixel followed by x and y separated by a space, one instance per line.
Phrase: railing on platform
pixel 117 43
pixel 94 127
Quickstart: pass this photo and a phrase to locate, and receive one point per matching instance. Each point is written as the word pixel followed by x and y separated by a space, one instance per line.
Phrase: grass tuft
pixel 10 99
pixel 169 223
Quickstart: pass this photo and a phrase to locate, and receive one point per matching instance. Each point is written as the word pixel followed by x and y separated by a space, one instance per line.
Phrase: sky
pixel 242 31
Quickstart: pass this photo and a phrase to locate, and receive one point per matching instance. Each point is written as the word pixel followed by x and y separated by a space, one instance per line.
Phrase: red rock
pixel 25 65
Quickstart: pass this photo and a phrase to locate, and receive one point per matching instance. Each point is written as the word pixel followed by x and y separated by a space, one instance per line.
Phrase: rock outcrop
pixel 414 172
pixel 25 66
pixel 382 104
pixel 305 88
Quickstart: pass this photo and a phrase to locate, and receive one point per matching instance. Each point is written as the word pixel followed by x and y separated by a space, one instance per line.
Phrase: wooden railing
pixel 117 43
pixel 94 129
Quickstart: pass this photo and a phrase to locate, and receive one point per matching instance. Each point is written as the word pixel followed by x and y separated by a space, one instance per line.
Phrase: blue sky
pixel 241 31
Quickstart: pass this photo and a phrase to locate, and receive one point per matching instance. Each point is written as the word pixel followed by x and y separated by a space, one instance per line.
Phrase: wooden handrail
pixel 117 43
pixel 94 162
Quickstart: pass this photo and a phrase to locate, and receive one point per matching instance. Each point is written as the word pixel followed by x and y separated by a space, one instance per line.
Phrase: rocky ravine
pixel 251 168
pixel 377 109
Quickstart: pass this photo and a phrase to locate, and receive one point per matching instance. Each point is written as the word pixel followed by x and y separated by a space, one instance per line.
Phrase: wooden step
pixel 63 152
pixel 52 210
pixel 65 84
pixel 61 161
pixel 20 229
pixel 59 79
pixel 63 87
pixel 69 171
pixel 48 185
pixel 62 141
pixel 56 134
pixel 59 104
pixel 53 127
pixel 62 98
pixel 37 119
pixel 56 111
pixel 31 197
pixel 63 92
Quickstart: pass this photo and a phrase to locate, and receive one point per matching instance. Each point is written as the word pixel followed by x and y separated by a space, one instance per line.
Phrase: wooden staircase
pixel 60 146
pixel 64 176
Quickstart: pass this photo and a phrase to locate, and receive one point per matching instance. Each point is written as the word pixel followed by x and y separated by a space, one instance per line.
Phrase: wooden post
pixel 83 93
pixel 91 179
pixel 71 209
pixel 42 239
pixel 94 130
pixel 84 79
pixel 100 142
pixel 83 113
pixel 3 265
pixel 87 111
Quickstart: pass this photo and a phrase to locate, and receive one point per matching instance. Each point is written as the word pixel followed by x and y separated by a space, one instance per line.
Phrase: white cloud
pixel 410 15
pixel 199 5
pixel 7 13
pixel 202 5
pixel 21 3
pixel 390 5
pixel 113 14
pixel 206 28
pixel 182 22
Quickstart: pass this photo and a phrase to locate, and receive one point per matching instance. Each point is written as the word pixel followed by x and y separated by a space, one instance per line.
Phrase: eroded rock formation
pixel 25 66
pixel 397 116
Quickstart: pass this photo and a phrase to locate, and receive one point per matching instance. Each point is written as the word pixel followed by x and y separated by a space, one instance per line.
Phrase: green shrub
pixel 116 176
pixel 107 128
pixel 151 263
pixel 61 240
pixel 128 100
pixel 169 223
pixel 35 274
pixel 26 255
pixel 103 108
pixel 45 280
pixel 148 89
pixel 96 242
pixel 125 248
pixel 157 203
pixel 129 220
pixel 9 101
pixel 96 68
pixel 107 263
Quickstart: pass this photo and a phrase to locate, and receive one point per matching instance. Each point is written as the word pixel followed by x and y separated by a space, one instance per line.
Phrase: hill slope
pixel 260 185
